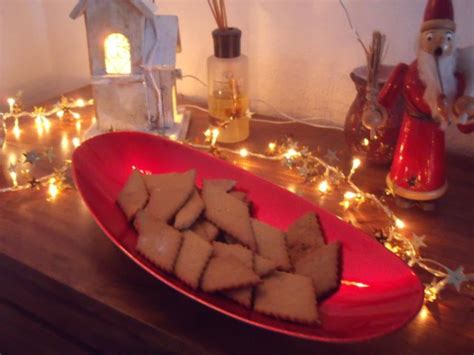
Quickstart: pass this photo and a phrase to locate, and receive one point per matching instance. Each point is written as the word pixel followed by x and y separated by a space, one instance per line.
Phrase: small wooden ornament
pixel 132 57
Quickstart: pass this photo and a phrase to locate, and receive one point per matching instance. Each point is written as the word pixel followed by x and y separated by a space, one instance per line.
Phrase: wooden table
pixel 65 288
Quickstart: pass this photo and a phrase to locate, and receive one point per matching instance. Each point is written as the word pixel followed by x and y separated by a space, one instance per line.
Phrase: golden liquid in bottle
pixel 222 109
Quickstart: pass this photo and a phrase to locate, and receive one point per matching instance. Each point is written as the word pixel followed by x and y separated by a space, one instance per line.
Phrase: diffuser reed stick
pixel 219 12
pixel 374 57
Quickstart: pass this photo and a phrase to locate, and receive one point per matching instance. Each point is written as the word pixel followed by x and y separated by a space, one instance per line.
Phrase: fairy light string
pixel 326 179
pixel 22 168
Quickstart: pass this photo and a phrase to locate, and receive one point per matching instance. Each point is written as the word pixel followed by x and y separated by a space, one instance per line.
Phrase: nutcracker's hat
pixel 439 14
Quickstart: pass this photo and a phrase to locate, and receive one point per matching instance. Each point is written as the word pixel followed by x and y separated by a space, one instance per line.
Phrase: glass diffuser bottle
pixel 228 86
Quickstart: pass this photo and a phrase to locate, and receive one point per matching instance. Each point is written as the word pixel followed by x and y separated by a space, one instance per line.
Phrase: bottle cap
pixel 227 42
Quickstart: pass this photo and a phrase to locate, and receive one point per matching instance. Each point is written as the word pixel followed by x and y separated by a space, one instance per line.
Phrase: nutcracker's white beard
pixel 429 76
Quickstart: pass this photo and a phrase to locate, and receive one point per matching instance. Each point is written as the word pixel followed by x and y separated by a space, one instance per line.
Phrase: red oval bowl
pixel 379 293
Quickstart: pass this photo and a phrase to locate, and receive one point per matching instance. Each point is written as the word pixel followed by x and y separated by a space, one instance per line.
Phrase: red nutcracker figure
pixel 435 95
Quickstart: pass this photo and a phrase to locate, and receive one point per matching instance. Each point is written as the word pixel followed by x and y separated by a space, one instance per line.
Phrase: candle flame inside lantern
pixel 117 54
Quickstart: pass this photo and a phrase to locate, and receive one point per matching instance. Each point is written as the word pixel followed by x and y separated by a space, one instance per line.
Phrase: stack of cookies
pixel 208 239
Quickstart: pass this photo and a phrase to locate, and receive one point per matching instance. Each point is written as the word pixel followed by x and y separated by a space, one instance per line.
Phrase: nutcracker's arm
pixel 389 94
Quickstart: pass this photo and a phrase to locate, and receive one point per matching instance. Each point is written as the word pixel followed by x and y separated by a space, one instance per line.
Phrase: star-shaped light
pixel 456 277
pixel 331 156
pixel 31 157
pixel 418 241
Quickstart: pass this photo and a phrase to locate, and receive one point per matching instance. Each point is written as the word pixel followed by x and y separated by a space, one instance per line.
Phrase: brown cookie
pixel 271 244
pixel 239 195
pixel 145 223
pixel 161 245
pixel 190 212
pixel 158 180
pixel 169 194
pixel 322 265
pixel 225 273
pixel 221 184
pixel 263 266
pixel 134 195
pixel 304 234
pixel 192 258
pixel 236 250
pixel 229 214
pixel 205 229
pixel 287 296
pixel 242 296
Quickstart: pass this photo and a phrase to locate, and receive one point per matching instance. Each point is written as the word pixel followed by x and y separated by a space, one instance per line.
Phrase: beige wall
pixel 300 51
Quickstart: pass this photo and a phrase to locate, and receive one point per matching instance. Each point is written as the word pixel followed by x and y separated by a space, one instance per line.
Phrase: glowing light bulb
pixel 399 223
pixel 80 103
pixel 365 142
pixel 40 130
pixel 76 115
pixel 290 153
pixel 76 142
pixel 16 130
pixel 323 186
pixel 356 164
pixel 53 189
pixel 46 124
pixel 349 195
pixel 11 103
pixel 173 137
pixel 423 314
pixel 271 146
pixel 64 142
pixel 60 113
pixel 346 204
pixel 215 134
pixel 244 153
pixel 78 126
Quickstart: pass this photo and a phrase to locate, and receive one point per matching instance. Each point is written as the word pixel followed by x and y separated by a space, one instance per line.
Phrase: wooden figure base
pixel 416 195
pixel 407 204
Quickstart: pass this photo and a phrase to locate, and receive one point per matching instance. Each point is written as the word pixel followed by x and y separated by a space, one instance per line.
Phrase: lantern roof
pixel 146 7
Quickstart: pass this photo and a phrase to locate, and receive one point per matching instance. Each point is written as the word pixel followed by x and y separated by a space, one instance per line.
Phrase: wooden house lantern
pixel 132 58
